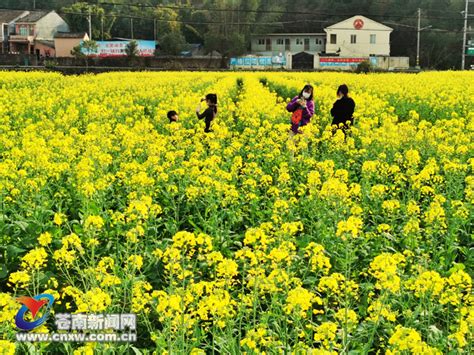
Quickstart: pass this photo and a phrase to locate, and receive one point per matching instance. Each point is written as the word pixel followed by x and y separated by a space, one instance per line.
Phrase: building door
pixel 306 44
pixel 268 46
pixel 287 44
pixel 303 61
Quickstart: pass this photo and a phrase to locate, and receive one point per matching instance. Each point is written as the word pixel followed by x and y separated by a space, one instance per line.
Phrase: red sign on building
pixel 358 24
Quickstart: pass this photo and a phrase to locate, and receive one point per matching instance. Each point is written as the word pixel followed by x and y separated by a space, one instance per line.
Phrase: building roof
pixel 366 19
pixel 46 43
pixel 7 16
pixel 290 34
pixel 33 16
pixel 70 35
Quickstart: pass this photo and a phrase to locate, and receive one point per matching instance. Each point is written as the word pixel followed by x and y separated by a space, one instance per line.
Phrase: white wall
pixel 362 47
pixel 294 47
pixel 49 25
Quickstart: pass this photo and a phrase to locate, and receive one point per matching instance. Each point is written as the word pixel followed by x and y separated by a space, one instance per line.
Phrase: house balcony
pixel 22 39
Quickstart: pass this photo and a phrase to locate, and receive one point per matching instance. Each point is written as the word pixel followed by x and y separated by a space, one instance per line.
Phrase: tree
pixel 89 47
pixel 77 17
pixel 235 21
pixel 77 52
pixel 173 43
pixel 169 31
pixel 131 49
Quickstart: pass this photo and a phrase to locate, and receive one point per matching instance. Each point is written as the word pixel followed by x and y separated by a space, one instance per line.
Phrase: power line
pixel 273 11
pixel 233 23
pixel 237 23
pixel 191 22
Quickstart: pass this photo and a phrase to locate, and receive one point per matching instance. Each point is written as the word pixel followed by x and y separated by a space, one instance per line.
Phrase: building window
pixel 280 41
pixel 299 41
pixel 333 39
pixel 353 39
pixel 306 44
pixel 268 45
pixel 373 39
pixel 24 31
pixel 261 41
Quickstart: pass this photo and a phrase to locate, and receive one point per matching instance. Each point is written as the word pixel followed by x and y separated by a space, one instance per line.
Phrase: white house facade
pixel 275 43
pixel 36 26
pixel 358 36
pixel 7 25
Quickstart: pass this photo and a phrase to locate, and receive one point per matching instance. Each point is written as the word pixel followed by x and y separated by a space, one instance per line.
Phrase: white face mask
pixel 306 95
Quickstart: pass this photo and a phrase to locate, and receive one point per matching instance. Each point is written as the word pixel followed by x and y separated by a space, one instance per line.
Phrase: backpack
pixel 296 116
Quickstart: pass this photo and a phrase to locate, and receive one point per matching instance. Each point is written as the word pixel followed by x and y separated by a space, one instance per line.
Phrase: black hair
pixel 213 100
pixel 170 115
pixel 306 87
pixel 343 89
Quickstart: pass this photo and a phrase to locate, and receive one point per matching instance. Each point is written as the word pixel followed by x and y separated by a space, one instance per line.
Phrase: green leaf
pixel 22 224
pixel 14 251
pixel 3 271
pixel 136 351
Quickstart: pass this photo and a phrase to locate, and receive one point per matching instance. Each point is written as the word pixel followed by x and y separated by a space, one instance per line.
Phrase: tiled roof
pixel 70 35
pixel 7 16
pixel 34 16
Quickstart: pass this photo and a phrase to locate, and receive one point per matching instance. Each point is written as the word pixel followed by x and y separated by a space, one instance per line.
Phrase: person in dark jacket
pixel 303 101
pixel 210 113
pixel 342 110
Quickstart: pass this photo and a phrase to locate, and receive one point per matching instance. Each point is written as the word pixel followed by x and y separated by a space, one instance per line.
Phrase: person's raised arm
pixel 292 105
pixel 198 112
pixel 208 112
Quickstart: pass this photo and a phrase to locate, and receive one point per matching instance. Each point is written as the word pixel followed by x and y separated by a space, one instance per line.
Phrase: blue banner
pixel 258 61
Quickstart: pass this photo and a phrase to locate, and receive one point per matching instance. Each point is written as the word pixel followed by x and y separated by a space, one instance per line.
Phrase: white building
pixel 274 43
pixel 7 25
pixel 36 26
pixel 358 36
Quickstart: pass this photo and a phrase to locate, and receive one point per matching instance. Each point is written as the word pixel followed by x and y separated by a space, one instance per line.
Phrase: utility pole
pixel 131 26
pixel 418 40
pixel 34 4
pixel 419 29
pixel 90 23
pixel 464 38
pixel 154 29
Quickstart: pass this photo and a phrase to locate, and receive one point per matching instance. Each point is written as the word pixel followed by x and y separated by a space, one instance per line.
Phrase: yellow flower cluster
pixel 407 339
pixel 385 269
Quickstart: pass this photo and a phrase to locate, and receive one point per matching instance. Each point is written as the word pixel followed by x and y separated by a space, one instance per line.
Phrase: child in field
pixel 302 107
pixel 172 116
pixel 210 113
